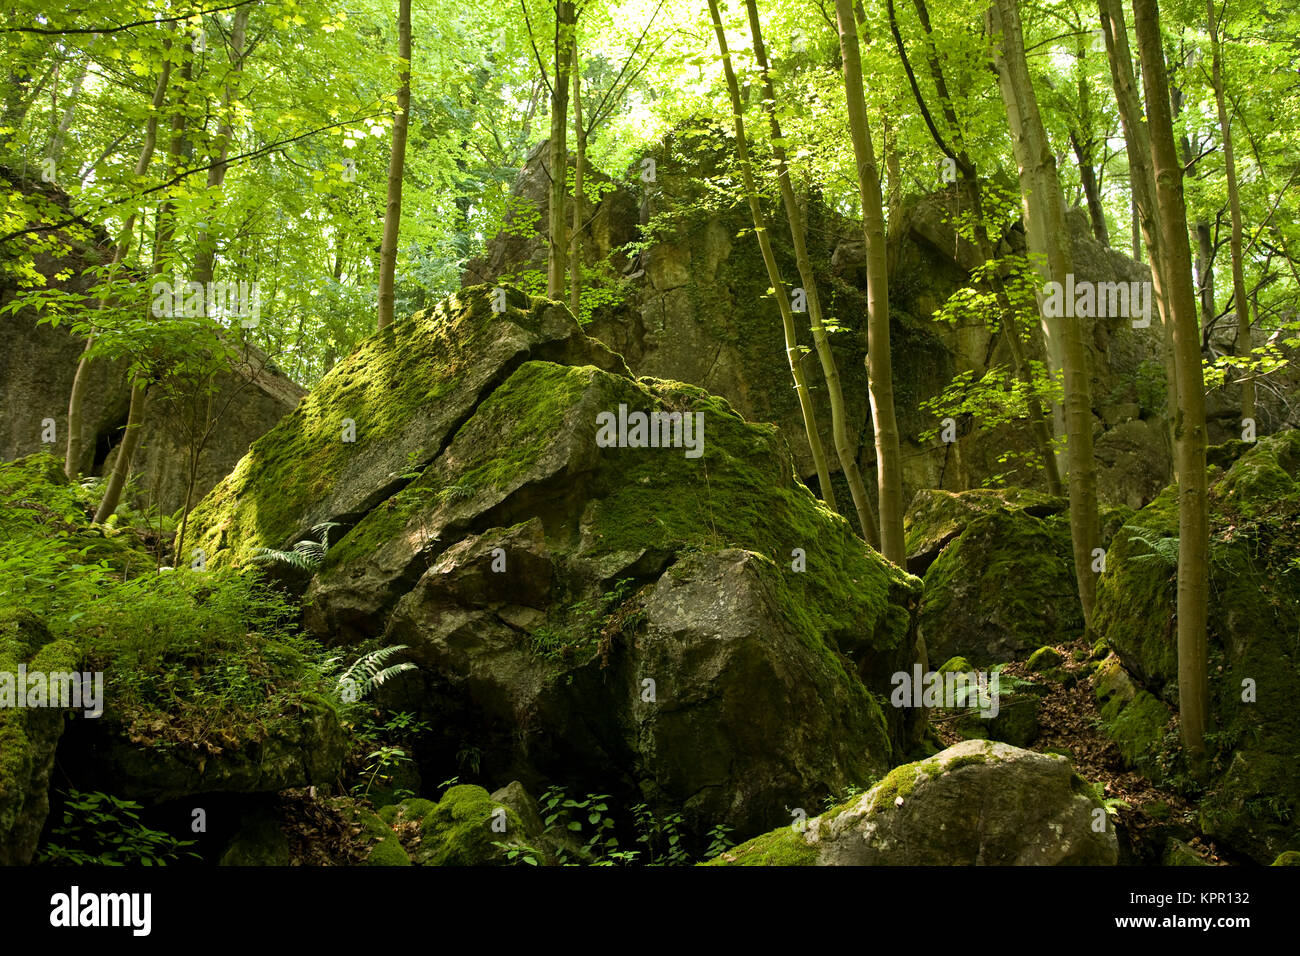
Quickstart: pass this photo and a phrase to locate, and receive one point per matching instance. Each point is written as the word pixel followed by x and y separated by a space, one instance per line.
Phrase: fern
pixel 369 671
pixel 305 555
pixel 1162 548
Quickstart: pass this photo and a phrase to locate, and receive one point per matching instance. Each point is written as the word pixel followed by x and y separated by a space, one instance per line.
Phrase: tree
pixel 969 183
pixel 76 399
pixel 1137 145
pixel 1049 239
pixel 164 232
pixel 879 371
pixel 1193 505
pixel 396 168
pixel 792 351
pixel 1234 206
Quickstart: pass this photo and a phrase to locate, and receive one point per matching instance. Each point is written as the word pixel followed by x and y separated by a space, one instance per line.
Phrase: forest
pixel 649 433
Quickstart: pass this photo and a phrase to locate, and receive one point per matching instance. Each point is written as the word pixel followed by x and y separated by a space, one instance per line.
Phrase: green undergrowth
pixel 206 659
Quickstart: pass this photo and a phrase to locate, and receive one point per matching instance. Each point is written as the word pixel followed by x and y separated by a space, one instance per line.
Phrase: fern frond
pixel 369 672
pixel 1162 548
pixel 323 530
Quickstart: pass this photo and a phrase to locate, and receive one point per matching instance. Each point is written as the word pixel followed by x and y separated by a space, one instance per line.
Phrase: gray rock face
pixel 37 366
pixel 693 307
pixel 730 678
pixel 978 803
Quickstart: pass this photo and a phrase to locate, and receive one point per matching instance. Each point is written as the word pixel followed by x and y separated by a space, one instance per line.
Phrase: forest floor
pixel 1069 721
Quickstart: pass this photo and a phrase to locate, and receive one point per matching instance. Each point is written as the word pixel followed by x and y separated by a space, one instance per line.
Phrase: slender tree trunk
pixel 1040 431
pixel 579 172
pixel 396 167
pixel 1045 224
pixel 1088 178
pixel 165 226
pixel 792 352
pixel 565 29
pixel 125 452
pixel 1234 206
pixel 880 377
pixel 1137 144
pixel 55 149
pixel 77 397
pixel 1193 513
pixel 206 253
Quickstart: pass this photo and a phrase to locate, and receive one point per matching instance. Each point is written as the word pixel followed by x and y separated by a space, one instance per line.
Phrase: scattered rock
pixel 977 803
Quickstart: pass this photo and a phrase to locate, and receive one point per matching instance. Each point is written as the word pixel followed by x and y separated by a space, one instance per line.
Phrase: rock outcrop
pixel 38 362
pixel 686 620
pixel 689 302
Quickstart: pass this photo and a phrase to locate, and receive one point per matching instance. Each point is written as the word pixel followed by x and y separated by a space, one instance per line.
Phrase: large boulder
pixel 1002 582
pixel 688 622
pixel 1254 614
pixel 978 803
pixel 29 736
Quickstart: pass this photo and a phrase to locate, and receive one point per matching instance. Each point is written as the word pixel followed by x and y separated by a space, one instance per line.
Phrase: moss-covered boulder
pixel 461 829
pixel 385 411
pixel 977 803
pixel 1253 803
pixel 302 749
pixel 542 575
pixel 1002 583
pixel 29 736
pixel 935 517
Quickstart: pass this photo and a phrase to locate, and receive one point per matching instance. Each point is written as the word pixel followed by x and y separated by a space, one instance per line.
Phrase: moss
pixel 1135 598
pixel 1264 474
pixel 1007 582
pixel 458 831
pixel 28 736
pixel 388 852
pixel 935 516
pixel 1287 858
pixel 742 493
pixel 966 760
pixel 416 361
pixel 1138 728
pixel 783 847
pixel 1043 659
pixel 957 665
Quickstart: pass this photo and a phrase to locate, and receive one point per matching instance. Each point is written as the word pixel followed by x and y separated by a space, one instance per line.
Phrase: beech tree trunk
pixel 880 378
pixel 77 397
pixel 1137 144
pixel 792 351
pixel 579 174
pixel 1040 430
pixel 565 21
pixel 1193 514
pixel 1044 207
pixel 396 167
pixel 1234 207
pixel 165 229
